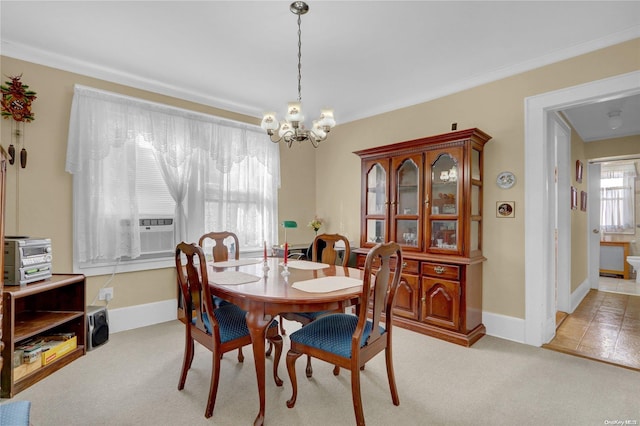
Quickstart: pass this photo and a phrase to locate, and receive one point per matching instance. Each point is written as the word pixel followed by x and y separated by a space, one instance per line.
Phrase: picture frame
pixel 579 167
pixel 574 198
pixel 506 209
pixel 583 201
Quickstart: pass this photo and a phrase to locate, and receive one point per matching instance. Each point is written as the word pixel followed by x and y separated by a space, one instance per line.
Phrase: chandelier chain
pixel 299 60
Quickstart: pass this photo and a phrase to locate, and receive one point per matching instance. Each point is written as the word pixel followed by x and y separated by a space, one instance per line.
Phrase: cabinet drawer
pixel 410 266
pixel 441 270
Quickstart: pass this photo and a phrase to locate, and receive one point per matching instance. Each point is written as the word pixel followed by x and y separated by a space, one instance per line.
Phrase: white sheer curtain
pixel 617 193
pixel 105 132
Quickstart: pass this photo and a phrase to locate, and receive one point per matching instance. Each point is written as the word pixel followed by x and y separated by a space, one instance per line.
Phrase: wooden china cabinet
pixel 426 194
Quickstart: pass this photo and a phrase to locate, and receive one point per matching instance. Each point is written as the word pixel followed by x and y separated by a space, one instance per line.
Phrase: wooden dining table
pixel 272 293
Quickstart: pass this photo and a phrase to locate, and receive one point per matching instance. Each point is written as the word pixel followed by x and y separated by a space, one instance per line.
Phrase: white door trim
pixel 538 329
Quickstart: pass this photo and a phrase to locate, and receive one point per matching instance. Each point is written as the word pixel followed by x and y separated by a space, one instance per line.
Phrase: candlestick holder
pixel 285 271
pixel 265 268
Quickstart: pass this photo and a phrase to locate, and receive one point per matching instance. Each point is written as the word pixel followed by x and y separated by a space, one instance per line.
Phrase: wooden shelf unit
pixel 50 306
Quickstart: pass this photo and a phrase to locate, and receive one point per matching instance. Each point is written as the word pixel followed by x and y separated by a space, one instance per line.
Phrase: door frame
pixel 539 327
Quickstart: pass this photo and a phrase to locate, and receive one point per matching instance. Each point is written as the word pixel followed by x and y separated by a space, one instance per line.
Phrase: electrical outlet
pixel 106 293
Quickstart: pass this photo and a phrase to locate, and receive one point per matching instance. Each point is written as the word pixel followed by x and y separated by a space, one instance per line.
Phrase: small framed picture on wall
pixel 583 201
pixel 506 209
pixel 574 198
pixel 579 171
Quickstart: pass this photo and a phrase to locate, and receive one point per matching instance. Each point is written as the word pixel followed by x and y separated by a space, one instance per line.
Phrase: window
pixel 147 176
pixel 617 197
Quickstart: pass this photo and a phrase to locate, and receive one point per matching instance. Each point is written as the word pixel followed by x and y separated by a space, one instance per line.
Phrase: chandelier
pixel 292 128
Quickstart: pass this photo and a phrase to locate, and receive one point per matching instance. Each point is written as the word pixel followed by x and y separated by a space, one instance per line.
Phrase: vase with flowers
pixel 315 224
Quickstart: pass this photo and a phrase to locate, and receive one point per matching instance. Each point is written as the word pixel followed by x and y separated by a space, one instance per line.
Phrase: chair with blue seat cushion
pixel 15 413
pixel 220 329
pixel 349 341
pixel 324 250
pixel 220 250
pixel 224 242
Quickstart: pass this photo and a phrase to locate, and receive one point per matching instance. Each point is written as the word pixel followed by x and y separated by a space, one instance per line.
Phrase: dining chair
pixel 323 249
pixel 220 329
pixel 220 248
pixel 220 253
pixel 350 341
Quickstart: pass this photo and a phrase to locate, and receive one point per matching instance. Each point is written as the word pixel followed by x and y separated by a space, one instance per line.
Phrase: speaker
pixel 97 326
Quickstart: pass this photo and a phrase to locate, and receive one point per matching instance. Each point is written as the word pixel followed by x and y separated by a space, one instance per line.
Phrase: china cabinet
pixel 426 194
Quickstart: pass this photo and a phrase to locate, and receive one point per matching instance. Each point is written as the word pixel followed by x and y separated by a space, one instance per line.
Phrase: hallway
pixel 604 327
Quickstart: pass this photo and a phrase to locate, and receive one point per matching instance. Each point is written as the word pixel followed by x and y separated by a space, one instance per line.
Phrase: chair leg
pixel 186 362
pixel 278 343
pixel 213 387
pixel 268 352
pixel 282 330
pixel 336 370
pixel 391 375
pixel 309 370
pixel 292 356
pixel 240 355
pixel 356 396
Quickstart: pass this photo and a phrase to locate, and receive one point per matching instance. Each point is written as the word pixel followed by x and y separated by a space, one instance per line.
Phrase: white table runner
pixel 327 284
pixel 232 278
pixel 305 264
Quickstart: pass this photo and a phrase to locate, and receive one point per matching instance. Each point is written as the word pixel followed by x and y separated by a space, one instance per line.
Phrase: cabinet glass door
pixel 376 204
pixel 406 206
pixel 445 203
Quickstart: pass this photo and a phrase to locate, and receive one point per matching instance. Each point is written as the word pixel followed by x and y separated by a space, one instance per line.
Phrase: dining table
pixel 265 288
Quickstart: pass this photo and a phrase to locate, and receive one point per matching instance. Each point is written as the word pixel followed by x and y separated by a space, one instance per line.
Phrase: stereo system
pixel 26 260
pixel 97 326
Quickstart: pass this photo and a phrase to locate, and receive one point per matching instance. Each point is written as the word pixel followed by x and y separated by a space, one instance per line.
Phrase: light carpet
pixel 132 380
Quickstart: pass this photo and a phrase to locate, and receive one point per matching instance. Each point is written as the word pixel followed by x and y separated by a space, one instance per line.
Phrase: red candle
pixel 286 252
pixel 265 251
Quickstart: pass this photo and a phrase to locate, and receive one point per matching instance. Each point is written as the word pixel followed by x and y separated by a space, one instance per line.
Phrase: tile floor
pixel 617 285
pixel 604 327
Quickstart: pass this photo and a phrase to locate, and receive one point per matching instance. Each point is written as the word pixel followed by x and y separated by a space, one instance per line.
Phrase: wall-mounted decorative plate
pixel 506 180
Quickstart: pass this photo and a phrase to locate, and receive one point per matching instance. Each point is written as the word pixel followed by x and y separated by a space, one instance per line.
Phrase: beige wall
pixel 579 223
pixel 39 197
pixel 325 181
pixel 498 109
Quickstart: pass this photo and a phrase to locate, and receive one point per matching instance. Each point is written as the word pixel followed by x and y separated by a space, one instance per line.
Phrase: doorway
pixel 540 318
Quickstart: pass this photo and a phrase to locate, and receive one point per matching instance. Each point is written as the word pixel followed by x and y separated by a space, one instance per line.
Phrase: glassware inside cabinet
pixel 376 190
pixel 406 232
pixel 444 186
pixel 375 231
pixel 444 234
pixel 407 189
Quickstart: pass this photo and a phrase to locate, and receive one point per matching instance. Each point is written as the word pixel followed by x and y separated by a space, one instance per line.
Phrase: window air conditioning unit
pixel 156 235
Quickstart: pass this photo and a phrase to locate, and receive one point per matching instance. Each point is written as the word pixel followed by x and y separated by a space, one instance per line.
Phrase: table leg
pixel 258 329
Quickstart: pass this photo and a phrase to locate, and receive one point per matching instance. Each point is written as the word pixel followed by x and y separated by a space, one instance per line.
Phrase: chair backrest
pixel 220 249
pixel 191 276
pixel 328 253
pixel 379 290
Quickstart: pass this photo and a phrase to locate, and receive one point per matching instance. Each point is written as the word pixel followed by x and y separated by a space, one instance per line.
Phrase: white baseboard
pixel 131 317
pixel 579 294
pixel 504 327
pixel 122 319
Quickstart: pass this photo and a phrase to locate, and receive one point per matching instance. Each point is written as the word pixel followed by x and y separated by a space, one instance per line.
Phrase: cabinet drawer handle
pixel 439 269
pixel 404 265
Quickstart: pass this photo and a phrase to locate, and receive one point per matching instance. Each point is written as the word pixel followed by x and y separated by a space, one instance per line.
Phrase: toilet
pixel 635 262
